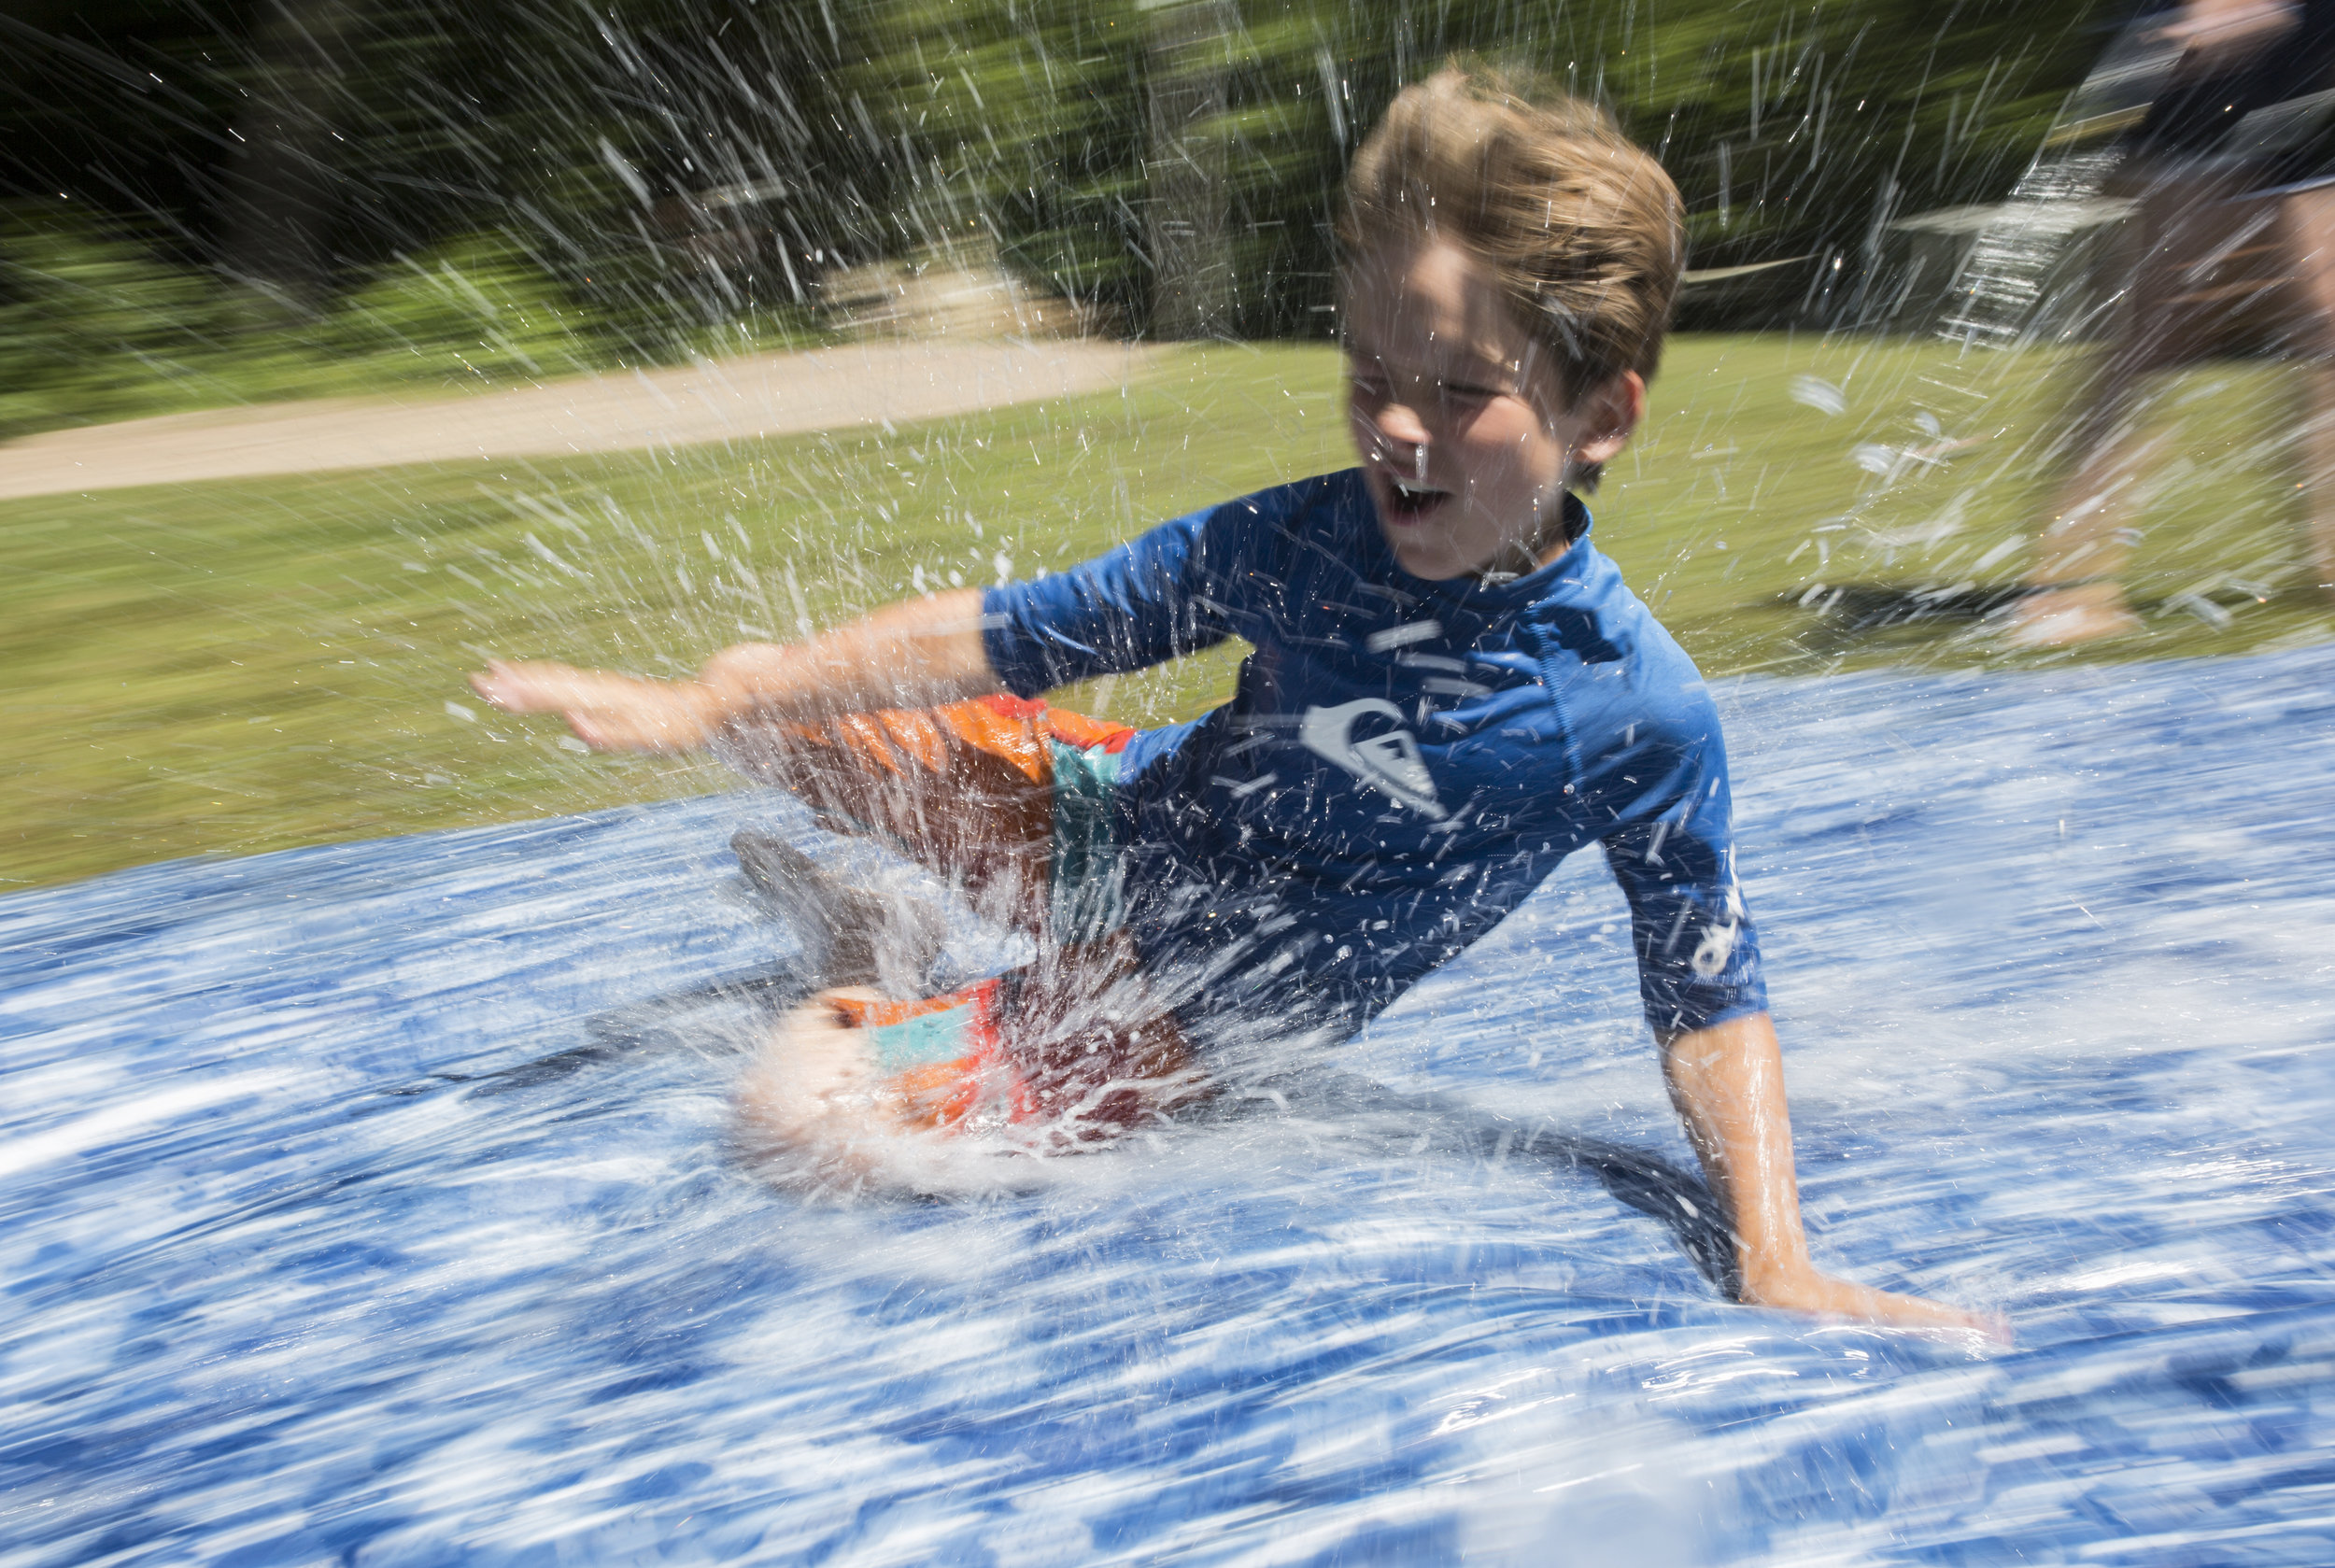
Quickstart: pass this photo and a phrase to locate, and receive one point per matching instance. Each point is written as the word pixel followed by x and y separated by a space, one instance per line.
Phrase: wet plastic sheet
pixel 297 1268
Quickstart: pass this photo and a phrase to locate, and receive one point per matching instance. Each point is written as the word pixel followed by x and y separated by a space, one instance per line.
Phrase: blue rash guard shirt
pixel 1402 763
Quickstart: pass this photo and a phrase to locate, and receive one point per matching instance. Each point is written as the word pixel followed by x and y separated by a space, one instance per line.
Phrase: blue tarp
pixel 287 1280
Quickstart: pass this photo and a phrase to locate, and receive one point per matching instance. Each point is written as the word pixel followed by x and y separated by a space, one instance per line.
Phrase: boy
pixel 1451 690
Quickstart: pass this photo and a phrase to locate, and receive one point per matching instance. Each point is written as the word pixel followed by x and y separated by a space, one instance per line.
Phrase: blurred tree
pixel 1791 129
pixel 688 162
pixel 1189 58
pixel 115 107
pixel 299 144
pixel 1020 122
pixel 284 185
pixel 692 161
pixel 88 325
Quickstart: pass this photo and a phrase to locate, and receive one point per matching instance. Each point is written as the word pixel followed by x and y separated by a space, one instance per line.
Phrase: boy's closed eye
pixel 1371 385
pixel 1468 392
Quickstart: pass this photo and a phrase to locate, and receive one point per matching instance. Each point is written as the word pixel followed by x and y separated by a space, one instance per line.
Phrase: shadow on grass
pixel 1918 623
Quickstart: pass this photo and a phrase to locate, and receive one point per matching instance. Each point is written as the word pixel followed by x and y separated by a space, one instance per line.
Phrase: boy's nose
pixel 1400 423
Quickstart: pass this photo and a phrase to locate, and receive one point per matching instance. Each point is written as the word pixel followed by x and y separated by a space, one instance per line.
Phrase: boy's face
pixel 1463 432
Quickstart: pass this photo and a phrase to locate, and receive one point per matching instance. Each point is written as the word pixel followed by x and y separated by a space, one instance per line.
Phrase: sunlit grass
pixel 249 664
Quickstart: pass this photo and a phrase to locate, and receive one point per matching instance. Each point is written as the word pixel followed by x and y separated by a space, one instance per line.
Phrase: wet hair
pixel 1581 228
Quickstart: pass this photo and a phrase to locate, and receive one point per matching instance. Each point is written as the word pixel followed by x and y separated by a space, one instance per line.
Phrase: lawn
pixel 249 664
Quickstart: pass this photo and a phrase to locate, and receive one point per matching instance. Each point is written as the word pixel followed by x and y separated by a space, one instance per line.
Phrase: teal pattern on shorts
pixel 1086 899
pixel 923 1041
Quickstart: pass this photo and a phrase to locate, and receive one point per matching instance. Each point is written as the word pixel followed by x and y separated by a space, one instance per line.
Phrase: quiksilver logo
pixel 1389 763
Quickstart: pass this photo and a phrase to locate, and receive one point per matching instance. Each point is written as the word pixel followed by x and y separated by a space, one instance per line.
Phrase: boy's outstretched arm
pixel 1727 1082
pixel 919 653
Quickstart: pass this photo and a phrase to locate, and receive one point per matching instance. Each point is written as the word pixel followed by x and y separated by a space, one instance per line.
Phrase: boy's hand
pixel 1727 1082
pixel 608 712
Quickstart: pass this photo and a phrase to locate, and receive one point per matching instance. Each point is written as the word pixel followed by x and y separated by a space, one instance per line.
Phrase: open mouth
pixel 1405 499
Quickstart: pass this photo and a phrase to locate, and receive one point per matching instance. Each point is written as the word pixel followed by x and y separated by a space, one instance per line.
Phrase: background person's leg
pixel 2310 221
pixel 2075 592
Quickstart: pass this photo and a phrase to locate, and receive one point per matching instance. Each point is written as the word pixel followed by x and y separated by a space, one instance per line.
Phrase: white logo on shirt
pixel 1388 763
pixel 1718 942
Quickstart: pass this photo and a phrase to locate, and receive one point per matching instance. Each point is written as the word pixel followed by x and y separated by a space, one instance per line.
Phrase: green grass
pixel 249 664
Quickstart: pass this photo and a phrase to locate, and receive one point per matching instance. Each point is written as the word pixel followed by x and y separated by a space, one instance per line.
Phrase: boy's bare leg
pixel 849 936
pixel 1102 1054
pixel 967 792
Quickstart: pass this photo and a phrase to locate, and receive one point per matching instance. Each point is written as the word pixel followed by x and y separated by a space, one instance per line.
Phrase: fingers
pixel 499 686
pixel 532 687
pixel 1827 1296
pixel 606 712
pixel 1915 1312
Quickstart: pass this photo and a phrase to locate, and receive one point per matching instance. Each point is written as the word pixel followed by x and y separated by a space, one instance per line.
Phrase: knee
pixel 808 1084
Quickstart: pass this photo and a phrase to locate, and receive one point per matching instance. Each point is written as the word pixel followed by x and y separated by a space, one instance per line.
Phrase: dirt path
pixel 774 394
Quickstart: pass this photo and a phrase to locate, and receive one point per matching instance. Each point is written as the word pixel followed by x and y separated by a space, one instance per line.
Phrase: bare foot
pixel 2063 617
pixel 819 1109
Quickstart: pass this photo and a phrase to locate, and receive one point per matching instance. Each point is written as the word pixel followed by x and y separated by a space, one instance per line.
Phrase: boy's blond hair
pixel 1582 228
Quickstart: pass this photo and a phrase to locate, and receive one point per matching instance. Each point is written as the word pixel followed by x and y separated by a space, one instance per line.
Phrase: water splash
pixel 2000 297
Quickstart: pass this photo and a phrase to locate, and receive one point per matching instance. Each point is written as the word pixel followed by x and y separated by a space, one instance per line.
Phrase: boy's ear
pixel 1609 416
